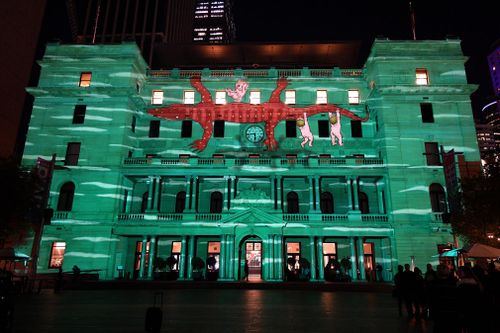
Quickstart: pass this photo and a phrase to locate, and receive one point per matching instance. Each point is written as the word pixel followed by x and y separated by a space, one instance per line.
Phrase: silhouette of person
pixel 246 270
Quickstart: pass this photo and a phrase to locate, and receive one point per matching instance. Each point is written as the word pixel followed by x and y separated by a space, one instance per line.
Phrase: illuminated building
pixel 280 166
pixel 494 65
pixel 213 22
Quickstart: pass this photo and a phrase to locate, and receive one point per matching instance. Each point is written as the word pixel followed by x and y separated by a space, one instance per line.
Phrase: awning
pixel 450 253
pixel 479 250
pixel 10 254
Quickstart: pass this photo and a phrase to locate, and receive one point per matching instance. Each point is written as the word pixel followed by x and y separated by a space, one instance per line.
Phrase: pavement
pixel 120 306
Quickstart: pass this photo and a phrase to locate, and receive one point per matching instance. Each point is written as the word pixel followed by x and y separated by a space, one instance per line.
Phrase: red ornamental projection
pixel 270 113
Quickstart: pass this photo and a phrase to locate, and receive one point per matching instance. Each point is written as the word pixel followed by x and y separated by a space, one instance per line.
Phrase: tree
pixel 478 220
pixel 17 203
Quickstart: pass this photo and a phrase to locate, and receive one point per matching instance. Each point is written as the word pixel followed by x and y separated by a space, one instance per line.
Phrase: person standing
pixel 246 270
pixel 397 292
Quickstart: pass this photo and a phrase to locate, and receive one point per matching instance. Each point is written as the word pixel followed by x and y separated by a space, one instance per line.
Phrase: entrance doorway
pixel 253 255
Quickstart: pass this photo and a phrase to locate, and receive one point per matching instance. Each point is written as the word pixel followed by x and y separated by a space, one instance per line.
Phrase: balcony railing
pixel 213 217
pixel 195 162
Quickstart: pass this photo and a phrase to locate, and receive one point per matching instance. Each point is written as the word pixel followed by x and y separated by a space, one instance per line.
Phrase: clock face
pixel 254 134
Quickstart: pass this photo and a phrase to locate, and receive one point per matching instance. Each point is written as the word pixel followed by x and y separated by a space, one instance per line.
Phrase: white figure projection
pixel 239 90
pixel 335 130
pixel 305 131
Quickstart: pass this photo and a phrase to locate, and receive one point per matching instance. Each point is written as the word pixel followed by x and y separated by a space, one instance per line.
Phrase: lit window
pixel 85 78
pixel 329 254
pixel 353 96
pixel 220 97
pixel 321 97
pixel 289 96
pixel 157 97
pixel 57 254
pixel 189 97
pixel 254 97
pixel 422 78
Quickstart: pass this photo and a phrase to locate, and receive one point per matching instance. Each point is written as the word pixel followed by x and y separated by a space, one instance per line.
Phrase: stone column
pixel 354 260
pixel 189 195
pixel 321 264
pixel 152 254
pixel 272 196
pixel 380 196
pixel 151 193
pixel 143 256
pixel 278 257
pixel 356 193
pixel 230 257
pixel 280 193
pixel 225 198
pixel 312 250
pixel 311 194
pixel 222 257
pixel 182 259
pixel 317 188
pixel 361 259
pixel 349 192
pixel 192 245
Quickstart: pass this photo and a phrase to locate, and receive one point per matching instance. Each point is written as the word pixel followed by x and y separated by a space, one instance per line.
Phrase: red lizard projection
pixel 271 113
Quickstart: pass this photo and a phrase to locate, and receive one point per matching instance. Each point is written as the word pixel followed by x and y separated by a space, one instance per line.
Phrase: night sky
pixel 476 23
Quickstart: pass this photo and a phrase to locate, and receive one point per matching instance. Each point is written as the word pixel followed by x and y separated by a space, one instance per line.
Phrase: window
pixel 293 255
pixel 144 202
pixel 356 129
pixel 134 122
pixel 254 97
pixel 154 129
pixel 323 128
pixel 180 202
pixel 438 202
pixel 187 129
pixel 188 96
pixel 176 253
pixel 289 96
pixel 213 251
pixel 216 202
pixel 321 97
pixel 364 205
pixel 427 113
pixel 79 114
pixel 421 77
pixel 329 255
pixel 292 203
pixel 291 131
pixel 66 194
pixel 219 129
pixel 353 96
pixel 125 200
pixel 57 254
pixel 432 153
pixel 157 97
pixel 220 97
pixel 72 153
pixel 85 78
pixel 326 203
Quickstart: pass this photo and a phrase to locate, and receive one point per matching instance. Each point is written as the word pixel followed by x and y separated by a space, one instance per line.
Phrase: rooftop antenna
pixel 412 17
pixel 96 21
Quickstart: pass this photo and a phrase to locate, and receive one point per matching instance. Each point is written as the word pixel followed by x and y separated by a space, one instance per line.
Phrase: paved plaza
pixel 213 310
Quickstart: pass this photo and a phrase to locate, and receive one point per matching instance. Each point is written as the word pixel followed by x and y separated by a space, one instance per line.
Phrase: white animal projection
pixel 305 131
pixel 335 128
pixel 239 90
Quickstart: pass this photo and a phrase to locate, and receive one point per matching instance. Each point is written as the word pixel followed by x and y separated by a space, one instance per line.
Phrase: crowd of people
pixel 466 300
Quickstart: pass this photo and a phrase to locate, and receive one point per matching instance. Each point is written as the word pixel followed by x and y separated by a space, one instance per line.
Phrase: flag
pixel 412 16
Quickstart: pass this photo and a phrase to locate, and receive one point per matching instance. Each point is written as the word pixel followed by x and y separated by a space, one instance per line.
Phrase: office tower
pixel 213 22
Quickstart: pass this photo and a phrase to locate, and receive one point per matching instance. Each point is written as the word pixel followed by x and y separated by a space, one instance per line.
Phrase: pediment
pixel 253 215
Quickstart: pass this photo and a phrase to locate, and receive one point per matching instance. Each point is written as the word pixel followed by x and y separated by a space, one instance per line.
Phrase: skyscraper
pixel 213 22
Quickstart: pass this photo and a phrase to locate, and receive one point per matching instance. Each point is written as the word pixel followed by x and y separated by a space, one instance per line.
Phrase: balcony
pixel 139 218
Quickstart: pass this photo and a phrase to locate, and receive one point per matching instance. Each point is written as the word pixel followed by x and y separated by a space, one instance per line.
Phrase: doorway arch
pixel 251 253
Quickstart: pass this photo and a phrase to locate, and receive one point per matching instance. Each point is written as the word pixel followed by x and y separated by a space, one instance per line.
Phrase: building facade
pixel 310 173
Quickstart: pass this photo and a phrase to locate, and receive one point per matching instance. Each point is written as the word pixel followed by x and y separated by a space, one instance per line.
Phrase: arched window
pixel 364 206
pixel 216 202
pixel 438 201
pixel 326 203
pixel 180 202
pixel 66 194
pixel 292 203
pixel 144 203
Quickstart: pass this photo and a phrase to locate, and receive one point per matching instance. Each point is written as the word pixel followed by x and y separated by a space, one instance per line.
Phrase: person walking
pixel 246 270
